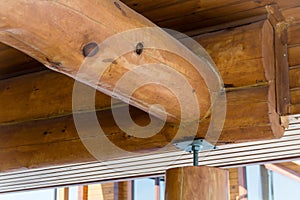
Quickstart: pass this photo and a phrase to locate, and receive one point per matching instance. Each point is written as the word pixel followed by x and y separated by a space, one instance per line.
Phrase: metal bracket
pixel 195 146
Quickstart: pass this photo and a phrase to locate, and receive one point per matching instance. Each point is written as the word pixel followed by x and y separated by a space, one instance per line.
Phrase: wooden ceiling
pixel 14 63
pixel 180 15
pixel 192 16
pixel 189 16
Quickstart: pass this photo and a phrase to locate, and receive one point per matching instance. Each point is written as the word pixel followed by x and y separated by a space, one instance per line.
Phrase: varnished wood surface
pixel 35 144
pixel 44 119
pixel 290 12
pixel 97 16
pixel 15 63
pixel 200 14
pixel 293 18
pixel 197 183
pixel 162 11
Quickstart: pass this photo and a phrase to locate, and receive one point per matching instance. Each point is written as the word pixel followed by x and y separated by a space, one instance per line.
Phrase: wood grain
pixel 35 143
pixel 97 18
pixel 233 183
pixel 196 183
pixel 39 101
pixel 43 123
pixel 295 94
pixel 244 56
pixel 294 77
pixel 294 53
pixel 281 58
pixel 241 59
pixel 292 16
pixel 242 62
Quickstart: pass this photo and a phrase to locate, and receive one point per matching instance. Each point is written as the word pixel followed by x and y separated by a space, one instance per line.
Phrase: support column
pixel 157 189
pixel 83 192
pixel 242 183
pixel 196 183
pixel 266 183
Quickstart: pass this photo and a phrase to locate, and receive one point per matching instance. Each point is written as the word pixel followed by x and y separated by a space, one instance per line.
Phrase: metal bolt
pixel 196 149
pixel 139 48
pixel 90 49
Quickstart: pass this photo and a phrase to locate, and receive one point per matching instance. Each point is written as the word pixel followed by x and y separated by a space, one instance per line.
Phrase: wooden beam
pixel 278 168
pixel 59 58
pixel 64 45
pixel 246 68
pixel 34 130
pixel 34 143
pixel 16 63
pixel 203 183
pixel 281 51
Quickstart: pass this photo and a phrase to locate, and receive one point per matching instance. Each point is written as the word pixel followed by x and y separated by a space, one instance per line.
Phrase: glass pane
pixel 285 187
pixel 162 190
pixel 73 193
pixel 30 195
pixel 144 189
pixel 253 182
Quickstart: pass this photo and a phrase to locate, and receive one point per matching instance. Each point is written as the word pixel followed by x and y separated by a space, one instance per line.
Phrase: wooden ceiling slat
pixel 293 34
pixel 214 16
pixel 295 96
pixel 14 63
pixel 146 5
pixel 284 4
pixel 293 166
pixel 295 77
pixel 294 58
pixel 292 15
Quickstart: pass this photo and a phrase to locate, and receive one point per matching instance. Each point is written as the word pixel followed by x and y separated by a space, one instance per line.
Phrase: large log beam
pixel 66 39
pixel 33 131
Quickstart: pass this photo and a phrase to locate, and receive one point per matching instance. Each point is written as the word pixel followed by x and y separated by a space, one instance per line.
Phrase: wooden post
pixel 157 189
pixel 266 184
pixel 83 192
pixel 196 183
pixel 242 181
pixel 63 193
